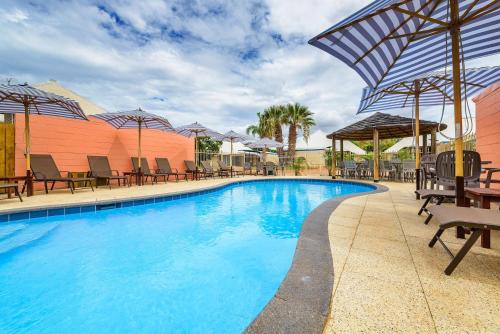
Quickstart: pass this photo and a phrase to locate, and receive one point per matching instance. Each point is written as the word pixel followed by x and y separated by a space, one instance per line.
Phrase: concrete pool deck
pixel 386 278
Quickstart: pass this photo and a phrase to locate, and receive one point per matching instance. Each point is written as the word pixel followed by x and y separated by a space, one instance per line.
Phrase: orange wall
pixel 488 126
pixel 70 141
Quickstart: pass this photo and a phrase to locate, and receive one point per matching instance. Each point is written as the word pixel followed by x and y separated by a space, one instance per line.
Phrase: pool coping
pixel 303 300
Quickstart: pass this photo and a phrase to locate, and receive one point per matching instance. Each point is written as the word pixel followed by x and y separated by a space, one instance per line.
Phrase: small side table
pixel 15 179
pixel 483 196
pixel 137 175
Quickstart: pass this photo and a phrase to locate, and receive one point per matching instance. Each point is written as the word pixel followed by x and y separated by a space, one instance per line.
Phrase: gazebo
pixel 382 126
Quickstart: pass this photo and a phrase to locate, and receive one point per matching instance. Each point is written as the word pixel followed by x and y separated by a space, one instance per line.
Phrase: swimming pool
pixel 202 264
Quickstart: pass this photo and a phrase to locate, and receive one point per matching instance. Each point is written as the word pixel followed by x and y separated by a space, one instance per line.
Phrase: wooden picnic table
pixel 483 196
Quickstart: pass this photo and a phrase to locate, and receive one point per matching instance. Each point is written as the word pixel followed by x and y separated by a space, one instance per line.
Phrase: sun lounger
pixel 146 172
pixel 224 169
pixel 45 170
pixel 430 194
pixel 11 186
pixel 100 169
pixel 193 170
pixel 164 168
pixel 207 169
pixel 475 219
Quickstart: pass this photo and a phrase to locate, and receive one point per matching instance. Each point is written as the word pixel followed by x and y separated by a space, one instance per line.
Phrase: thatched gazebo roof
pixel 388 126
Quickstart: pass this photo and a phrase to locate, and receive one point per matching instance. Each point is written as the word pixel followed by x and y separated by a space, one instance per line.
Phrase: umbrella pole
pixel 139 169
pixel 231 158
pixel 457 98
pixel 417 137
pixel 334 159
pixel 27 140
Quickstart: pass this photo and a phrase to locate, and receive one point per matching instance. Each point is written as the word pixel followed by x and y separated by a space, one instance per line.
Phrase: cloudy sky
pixel 216 62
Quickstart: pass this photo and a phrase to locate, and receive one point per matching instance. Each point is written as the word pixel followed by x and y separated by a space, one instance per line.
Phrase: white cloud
pixel 214 61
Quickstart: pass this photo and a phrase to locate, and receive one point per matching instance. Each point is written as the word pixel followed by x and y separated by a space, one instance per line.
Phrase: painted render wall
pixel 70 141
pixel 488 126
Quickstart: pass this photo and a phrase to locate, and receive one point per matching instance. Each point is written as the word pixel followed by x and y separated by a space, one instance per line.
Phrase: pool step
pixel 25 236
pixel 10 229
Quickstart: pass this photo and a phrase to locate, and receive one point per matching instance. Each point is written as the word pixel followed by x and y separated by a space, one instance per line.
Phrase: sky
pixel 215 62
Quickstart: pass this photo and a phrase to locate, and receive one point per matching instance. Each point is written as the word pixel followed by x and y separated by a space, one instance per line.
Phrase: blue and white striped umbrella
pixel 25 98
pixel 197 130
pixel 234 137
pixel 392 40
pixel 29 100
pixel 135 118
pixel 434 89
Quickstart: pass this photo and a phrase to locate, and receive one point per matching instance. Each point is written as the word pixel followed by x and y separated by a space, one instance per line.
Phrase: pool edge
pixel 303 301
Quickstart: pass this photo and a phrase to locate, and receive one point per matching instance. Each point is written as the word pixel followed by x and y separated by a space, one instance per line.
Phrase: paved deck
pixel 387 280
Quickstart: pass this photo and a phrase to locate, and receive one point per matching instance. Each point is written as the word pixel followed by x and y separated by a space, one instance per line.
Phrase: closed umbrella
pixel 29 100
pixel 388 41
pixel 136 119
pixel 197 130
pixel 234 137
pixel 264 144
pixel 428 90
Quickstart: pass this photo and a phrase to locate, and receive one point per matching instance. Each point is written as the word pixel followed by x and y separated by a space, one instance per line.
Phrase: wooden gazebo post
pixel 334 158
pixel 342 153
pixel 433 141
pixel 376 169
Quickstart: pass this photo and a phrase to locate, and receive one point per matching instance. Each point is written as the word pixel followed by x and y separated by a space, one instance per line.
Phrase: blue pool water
pixel 202 264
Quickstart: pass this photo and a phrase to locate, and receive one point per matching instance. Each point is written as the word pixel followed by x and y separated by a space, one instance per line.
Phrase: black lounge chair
pixel 433 194
pixel 475 219
pixel 224 170
pixel 45 170
pixel 11 186
pixel 164 168
pixel 193 170
pixel 100 169
pixel 207 169
pixel 146 172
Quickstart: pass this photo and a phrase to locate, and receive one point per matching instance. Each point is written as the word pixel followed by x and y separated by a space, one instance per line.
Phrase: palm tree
pixel 276 117
pixel 262 129
pixel 298 117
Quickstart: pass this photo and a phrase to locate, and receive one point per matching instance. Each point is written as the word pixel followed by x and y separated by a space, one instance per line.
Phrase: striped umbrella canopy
pixel 197 130
pixel 263 144
pixel 392 40
pixel 234 137
pixel 136 119
pixel 29 100
pixel 429 90
pixel 433 89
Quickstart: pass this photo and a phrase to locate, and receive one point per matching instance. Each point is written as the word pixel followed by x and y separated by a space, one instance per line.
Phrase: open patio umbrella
pixel 234 137
pixel 197 130
pixel 388 41
pixel 263 144
pixel 429 90
pixel 136 119
pixel 29 100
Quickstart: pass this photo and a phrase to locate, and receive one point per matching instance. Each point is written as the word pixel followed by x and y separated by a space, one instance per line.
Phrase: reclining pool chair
pixel 207 169
pixel 164 168
pixel 224 169
pixel 475 219
pixel 101 169
pixel 146 171
pixel 445 176
pixel 45 170
pixel 193 170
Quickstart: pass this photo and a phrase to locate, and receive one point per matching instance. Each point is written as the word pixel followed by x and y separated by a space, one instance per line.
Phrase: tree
pixel 208 145
pixel 298 117
pixel 275 115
